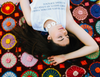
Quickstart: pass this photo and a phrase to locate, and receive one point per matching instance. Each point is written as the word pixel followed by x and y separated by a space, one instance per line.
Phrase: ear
pixel 49 37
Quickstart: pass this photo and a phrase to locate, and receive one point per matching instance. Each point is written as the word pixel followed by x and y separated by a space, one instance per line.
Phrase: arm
pixel 90 45
pixel 25 6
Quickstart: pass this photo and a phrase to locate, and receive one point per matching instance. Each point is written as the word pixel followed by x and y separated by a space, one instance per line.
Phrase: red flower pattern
pixel 8 8
pixel 75 71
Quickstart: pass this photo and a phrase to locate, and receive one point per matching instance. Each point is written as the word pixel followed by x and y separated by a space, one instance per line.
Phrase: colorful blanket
pixel 85 12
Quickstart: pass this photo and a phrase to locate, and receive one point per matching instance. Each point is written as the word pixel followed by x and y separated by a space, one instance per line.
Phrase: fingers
pixel 52 61
pixel 55 64
pixel 50 57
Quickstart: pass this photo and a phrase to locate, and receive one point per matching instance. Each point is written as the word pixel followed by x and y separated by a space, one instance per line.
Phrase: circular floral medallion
pixel 0 5
pixel 80 13
pixel 95 11
pixel 8 41
pixel 9 74
pixel 94 55
pixel 21 21
pixel 76 2
pixel 14 1
pixel 94 69
pixel 51 72
pixel 30 73
pixel 98 2
pixel 93 0
pixel 8 8
pixel 46 61
pixel 8 24
pixel 87 28
pixel 8 60
pixel 97 26
pixel 28 60
pixel 75 71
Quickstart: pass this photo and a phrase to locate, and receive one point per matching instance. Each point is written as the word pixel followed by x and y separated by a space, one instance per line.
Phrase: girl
pixel 54 17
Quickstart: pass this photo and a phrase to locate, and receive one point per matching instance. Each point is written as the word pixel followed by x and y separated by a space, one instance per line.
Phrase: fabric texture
pixel 87 66
pixel 48 9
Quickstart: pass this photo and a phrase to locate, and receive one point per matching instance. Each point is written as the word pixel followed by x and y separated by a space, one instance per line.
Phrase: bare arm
pixel 90 45
pixel 25 6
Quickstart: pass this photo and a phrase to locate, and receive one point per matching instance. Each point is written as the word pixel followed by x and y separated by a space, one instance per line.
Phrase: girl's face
pixel 59 35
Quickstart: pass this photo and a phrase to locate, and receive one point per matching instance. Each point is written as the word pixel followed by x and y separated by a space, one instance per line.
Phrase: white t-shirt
pixel 42 10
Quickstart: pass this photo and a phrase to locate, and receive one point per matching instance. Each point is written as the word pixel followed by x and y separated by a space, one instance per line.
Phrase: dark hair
pixel 72 46
pixel 34 43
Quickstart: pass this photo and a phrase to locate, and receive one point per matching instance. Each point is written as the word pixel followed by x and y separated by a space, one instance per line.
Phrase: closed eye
pixel 67 36
pixel 60 37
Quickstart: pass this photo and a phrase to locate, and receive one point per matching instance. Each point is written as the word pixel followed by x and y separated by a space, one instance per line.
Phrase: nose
pixel 65 32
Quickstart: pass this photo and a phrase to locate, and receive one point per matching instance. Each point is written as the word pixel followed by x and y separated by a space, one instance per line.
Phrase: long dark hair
pixel 72 46
pixel 32 42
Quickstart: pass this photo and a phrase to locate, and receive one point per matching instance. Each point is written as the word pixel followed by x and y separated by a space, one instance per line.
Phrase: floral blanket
pixel 85 12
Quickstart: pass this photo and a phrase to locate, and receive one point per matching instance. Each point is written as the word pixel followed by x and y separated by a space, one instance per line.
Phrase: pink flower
pixel 28 60
pixel 80 13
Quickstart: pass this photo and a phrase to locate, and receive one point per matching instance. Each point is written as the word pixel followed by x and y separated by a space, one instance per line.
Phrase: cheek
pixel 55 34
pixel 68 40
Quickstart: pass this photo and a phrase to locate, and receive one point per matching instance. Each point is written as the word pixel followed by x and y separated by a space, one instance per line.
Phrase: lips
pixel 61 28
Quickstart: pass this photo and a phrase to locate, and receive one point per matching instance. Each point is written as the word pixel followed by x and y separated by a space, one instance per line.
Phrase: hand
pixel 55 60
